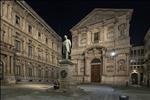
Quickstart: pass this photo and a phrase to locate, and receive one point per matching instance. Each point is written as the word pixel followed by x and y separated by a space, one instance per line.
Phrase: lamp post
pixel 113 55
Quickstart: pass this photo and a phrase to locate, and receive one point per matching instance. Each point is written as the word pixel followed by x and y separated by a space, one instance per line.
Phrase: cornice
pixel 36 16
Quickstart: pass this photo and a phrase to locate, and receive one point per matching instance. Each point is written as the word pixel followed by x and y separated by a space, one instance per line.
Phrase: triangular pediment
pixel 98 15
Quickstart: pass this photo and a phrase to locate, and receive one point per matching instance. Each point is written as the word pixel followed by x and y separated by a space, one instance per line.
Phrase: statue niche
pixel 121 65
pixel 122 28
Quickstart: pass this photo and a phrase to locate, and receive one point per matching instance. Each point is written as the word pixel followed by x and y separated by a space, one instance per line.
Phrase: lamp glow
pixel 113 53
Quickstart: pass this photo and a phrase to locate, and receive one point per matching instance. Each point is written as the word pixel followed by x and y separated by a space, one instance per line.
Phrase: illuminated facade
pixel 30 49
pixel 102 47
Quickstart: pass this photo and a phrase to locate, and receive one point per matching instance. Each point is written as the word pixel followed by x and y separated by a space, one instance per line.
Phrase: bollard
pixel 123 97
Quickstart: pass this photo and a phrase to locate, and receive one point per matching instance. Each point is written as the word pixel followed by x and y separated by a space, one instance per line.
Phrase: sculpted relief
pixel 122 30
pixel 75 44
pixel 110 32
pixel 83 39
pixel 94 51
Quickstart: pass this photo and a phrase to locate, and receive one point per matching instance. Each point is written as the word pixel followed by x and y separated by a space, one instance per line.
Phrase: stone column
pixel 127 60
pixel 12 66
pixel 8 65
pixel 25 70
pixel 43 74
pixel 88 38
pixel 88 69
pixel 35 73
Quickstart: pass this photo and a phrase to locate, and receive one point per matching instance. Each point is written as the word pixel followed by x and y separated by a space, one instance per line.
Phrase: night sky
pixel 62 15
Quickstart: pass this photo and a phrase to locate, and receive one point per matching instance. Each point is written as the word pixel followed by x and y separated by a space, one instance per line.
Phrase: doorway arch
pixel 1 70
pixel 134 78
pixel 96 70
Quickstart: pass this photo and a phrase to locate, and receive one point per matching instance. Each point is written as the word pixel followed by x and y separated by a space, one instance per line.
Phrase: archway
pixel 96 70
pixel 1 70
pixel 134 79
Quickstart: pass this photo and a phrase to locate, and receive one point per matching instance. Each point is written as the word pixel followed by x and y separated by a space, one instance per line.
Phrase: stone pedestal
pixel 66 78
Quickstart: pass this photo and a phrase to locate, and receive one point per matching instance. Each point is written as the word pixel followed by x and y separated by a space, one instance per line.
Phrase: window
pixel 1 70
pixel 18 70
pixel 96 37
pixel 46 74
pixel 17 20
pixel 39 73
pixel 134 52
pixel 142 52
pixel 29 28
pixel 142 61
pixel 53 58
pixel 30 48
pixel 17 45
pixel 39 53
pixel 110 35
pixel 46 56
pixel 83 38
pixel 30 71
pixel 139 52
pixel 52 44
pixel 3 35
pixel 131 52
pixel 39 35
pixel 110 32
pixel 46 40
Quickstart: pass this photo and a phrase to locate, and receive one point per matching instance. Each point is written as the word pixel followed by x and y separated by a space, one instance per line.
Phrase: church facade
pixel 101 47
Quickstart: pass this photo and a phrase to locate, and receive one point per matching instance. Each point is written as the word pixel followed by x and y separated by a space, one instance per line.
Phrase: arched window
pixel 95 61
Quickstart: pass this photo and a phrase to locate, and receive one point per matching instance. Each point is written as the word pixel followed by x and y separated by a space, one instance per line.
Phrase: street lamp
pixel 113 53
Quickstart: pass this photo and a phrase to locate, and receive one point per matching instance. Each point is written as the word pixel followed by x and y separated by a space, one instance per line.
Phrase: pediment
pixel 99 15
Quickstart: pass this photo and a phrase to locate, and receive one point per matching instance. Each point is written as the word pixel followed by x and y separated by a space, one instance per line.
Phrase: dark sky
pixel 62 15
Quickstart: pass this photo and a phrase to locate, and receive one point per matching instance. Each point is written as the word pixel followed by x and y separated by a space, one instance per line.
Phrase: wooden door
pixel 95 73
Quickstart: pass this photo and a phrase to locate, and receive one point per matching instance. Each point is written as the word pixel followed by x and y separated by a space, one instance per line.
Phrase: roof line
pixel 41 21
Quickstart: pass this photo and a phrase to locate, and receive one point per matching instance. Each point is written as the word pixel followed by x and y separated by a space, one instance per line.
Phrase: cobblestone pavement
pixel 92 92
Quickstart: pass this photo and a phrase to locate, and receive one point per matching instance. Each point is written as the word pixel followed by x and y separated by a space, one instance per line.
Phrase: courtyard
pixel 91 92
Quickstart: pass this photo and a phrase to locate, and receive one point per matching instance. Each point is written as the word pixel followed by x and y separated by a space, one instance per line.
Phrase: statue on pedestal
pixel 66 48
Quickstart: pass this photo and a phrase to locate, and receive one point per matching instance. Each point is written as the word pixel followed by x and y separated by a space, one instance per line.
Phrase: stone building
pixel 29 47
pixel 147 57
pixel 102 47
pixel 136 65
